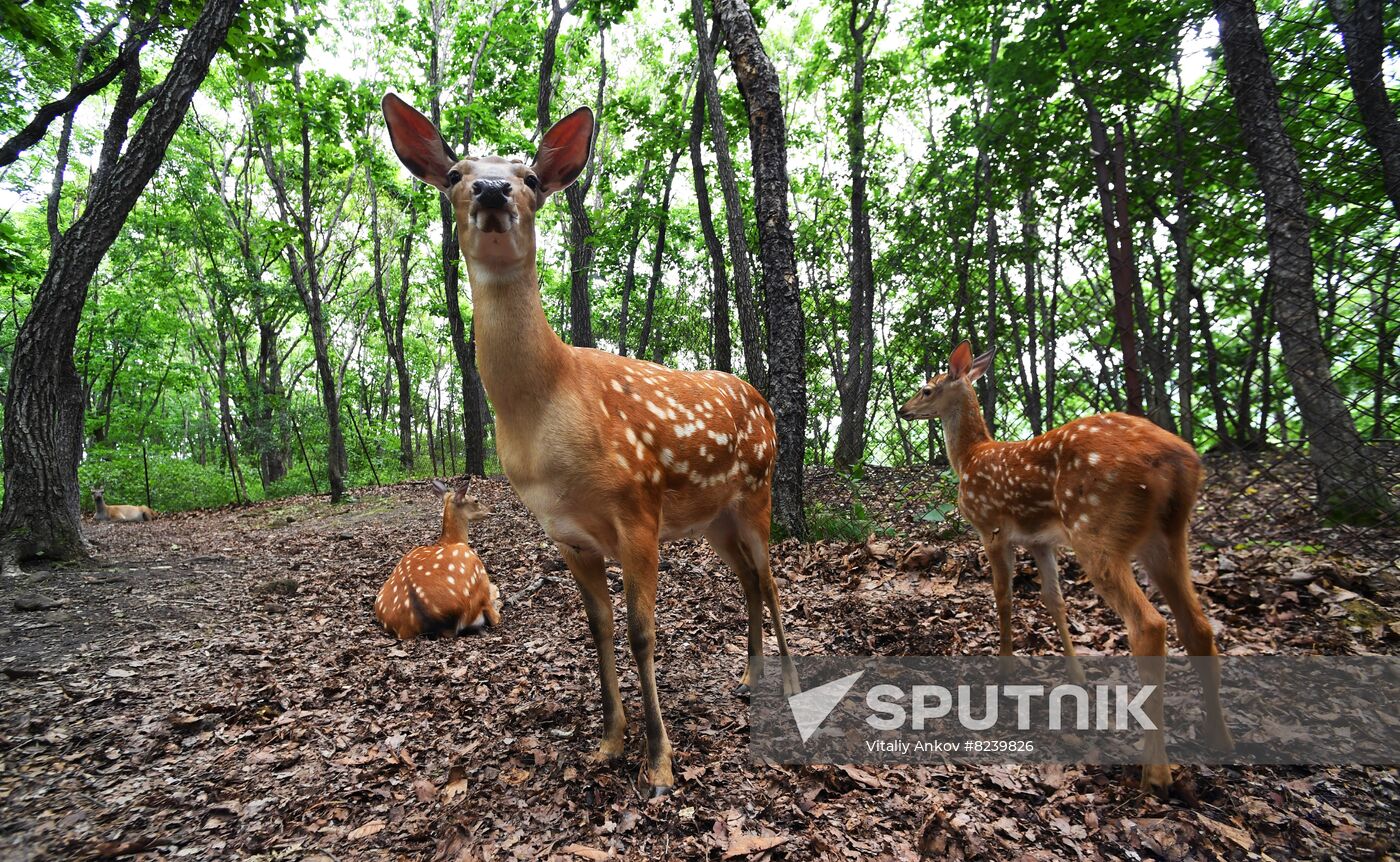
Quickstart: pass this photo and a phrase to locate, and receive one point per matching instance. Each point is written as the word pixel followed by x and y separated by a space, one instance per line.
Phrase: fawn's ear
pixel 564 151
pixel 980 365
pixel 960 361
pixel 441 487
pixel 417 142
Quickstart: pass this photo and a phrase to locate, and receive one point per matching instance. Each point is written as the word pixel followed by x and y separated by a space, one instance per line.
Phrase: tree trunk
pixel 750 329
pixel 1030 241
pixel 463 343
pixel 656 259
pixel 787 392
pixel 44 403
pixel 1363 37
pixel 1349 486
pixel 580 228
pixel 405 382
pixel 723 344
pixel 853 381
pixel 629 281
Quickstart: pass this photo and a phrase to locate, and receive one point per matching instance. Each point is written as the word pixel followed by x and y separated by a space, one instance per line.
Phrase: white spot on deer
pixel 451 581
pixel 656 475
pixel 616 386
pixel 647 438
pixel 659 411
pixel 631 435
pixel 1093 499
pixel 621 459
pixel 641 452
pixel 1095 457
pixel 667 457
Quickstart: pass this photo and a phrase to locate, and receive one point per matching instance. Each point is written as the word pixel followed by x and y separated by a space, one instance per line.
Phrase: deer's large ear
pixel 564 151
pixel 441 487
pixel 960 361
pixel 980 365
pixel 417 142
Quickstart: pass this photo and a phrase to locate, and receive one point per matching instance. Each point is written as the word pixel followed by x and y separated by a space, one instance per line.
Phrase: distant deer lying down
pixel 442 587
pixel 104 512
pixel 1111 487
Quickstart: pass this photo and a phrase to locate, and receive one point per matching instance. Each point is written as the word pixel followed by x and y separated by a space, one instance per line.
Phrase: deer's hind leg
pixel 723 536
pixel 1111 573
pixel 1165 558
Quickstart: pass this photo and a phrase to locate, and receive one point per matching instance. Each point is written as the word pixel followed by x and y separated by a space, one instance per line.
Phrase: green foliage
pixel 197 342
pixel 851 525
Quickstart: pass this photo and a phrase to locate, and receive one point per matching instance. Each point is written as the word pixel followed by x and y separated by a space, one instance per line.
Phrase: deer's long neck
pixel 99 507
pixel 454 528
pixel 520 357
pixel 963 431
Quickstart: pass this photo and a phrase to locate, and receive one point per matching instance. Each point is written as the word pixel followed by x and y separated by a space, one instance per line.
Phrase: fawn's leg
pixel 1002 557
pixel 1112 576
pixel 1165 558
pixel 723 536
pixel 1055 603
pixel 592 580
pixel 753 534
pixel 639 559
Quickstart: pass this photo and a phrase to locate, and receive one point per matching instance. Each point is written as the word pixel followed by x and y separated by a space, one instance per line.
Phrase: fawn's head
pixel 97 493
pixel 948 391
pixel 495 199
pixel 459 502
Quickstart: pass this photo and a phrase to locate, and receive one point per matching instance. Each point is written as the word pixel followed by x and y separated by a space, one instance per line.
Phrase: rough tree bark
pixel 461 335
pixel 392 324
pixel 1349 485
pixel 1363 38
pixel 580 227
pixel 44 403
pixel 719 276
pixel 750 329
pixel 787 371
pixel 853 380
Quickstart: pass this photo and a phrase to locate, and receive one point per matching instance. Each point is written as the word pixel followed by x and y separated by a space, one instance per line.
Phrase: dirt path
pixel 218 688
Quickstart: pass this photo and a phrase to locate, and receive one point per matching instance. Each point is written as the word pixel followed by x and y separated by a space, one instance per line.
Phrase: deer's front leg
pixel 592 579
pixel 639 561
pixel 1001 556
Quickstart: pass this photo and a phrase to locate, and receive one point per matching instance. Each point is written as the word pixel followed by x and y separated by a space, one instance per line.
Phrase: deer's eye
pixel 454 177
pixel 532 182
pixel 927 391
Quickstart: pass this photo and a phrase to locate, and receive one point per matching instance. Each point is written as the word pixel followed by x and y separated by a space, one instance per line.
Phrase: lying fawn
pixel 1110 486
pixel 610 454
pixel 442 587
pixel 104 512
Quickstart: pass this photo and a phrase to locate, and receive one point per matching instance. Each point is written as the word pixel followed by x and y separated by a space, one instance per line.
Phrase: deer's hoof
pixel 1157 779
pixel 660 790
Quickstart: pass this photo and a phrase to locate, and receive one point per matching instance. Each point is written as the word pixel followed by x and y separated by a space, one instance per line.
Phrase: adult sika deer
pixel 610 454
pixel 103 512
pixel 443 587
pixel 1111 487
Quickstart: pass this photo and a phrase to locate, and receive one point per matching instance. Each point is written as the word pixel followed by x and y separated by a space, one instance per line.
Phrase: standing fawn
pixel 442 587
pixel 1111 487
pixel 610 454
pixel 104 512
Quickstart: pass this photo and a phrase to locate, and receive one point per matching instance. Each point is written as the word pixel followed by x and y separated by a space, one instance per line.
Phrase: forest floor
pixel 216 686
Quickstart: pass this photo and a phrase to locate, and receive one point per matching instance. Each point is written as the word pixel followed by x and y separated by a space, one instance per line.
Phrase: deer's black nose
pixel 491 194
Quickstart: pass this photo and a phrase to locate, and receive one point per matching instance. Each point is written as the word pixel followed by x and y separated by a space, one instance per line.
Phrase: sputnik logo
pixel 811 707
